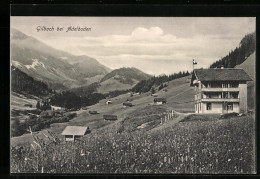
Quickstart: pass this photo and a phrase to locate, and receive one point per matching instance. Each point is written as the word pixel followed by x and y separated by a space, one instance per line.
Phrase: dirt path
pixel 171 122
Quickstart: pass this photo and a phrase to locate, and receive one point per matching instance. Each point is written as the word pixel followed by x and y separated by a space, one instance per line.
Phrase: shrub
pixel 71 115
pixel 228 115
pixel 47 114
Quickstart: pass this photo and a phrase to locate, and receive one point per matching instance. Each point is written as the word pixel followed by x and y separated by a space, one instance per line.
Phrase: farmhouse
pixel 72 133
pixel 220 90
pixel 110 117
pixel 159 100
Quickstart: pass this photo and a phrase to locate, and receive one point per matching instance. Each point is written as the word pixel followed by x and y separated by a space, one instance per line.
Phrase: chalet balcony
pixel 219 89
pixel 220 99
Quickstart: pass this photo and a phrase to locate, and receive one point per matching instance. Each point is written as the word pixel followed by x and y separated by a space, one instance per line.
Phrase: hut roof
pixel 127 104
pixel 74 130
pixel 159 99
pixel 92 112
pixel 110 117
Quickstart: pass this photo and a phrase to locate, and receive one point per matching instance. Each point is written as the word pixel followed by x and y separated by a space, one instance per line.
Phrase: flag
pixel 194 62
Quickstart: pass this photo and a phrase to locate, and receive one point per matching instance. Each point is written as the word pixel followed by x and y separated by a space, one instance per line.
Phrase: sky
pixel 155 45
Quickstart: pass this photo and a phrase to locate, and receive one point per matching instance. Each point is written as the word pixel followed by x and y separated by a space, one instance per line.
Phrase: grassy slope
pixel 205 147
pixel 17 101
pixel 179 92
pixel 181 147
pixel 112 85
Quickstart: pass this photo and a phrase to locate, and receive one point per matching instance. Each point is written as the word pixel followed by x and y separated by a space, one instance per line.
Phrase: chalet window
pixel 195 107
pixel 208 106
pixel 234 95
pixel 230 106
pixel 225 95
pixel 69 136
pixel 224 85
pixel 233 84
pixel 216 85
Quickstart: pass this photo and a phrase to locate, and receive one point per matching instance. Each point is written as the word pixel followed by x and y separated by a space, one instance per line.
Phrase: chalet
pixel 110 117
pixel 93 112
pixel 220 90
pixel 127 104
pixel 159 100
pixel 72 133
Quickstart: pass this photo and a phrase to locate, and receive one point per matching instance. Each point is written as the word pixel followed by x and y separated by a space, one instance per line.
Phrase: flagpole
pixel 193 65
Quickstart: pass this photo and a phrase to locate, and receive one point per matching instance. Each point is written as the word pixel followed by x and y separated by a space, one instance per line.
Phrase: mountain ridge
pixel 50 65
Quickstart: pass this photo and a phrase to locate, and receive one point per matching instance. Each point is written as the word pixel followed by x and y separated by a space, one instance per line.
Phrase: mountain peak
pixel 16 34
pixel 126 75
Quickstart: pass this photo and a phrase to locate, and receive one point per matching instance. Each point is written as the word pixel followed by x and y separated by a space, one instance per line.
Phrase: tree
pixel 38 105
pixel 16 128
pixel 153 90
pixel 161 87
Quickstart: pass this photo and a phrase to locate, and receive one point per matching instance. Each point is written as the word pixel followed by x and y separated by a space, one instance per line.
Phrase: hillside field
pixel 202 147
pixel 142 141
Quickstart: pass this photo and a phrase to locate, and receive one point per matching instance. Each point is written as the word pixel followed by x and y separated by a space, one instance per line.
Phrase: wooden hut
pixel 127 104
pixel 72 133
pixel 159 100
pixel 93 112
pixel 110 117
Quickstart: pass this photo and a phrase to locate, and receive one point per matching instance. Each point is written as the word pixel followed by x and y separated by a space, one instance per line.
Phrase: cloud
pixel 150 49
pixel 152 33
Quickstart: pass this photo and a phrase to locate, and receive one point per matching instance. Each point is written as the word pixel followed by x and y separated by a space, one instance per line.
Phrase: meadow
pixel 200 146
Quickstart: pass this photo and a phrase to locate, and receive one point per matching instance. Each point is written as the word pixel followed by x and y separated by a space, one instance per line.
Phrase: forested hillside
pixel 146 85
pixel 239 55
pixel 22 83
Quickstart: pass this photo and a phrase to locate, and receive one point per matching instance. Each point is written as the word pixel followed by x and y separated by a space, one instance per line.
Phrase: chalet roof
pixel 74 130
pixel 226 74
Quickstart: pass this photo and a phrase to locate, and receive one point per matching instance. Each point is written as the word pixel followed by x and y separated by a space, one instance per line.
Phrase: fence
pixel 167 116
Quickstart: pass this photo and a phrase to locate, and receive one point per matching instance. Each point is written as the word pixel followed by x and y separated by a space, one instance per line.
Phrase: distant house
pixel 159 100
pixel 220 90
pixel 93 112
pixel 154 95
pixel 28 105
pixel 54 108
pixel 110 117
pixel 108 102
pixel 127 104
pixel 72 133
